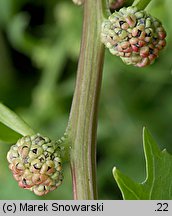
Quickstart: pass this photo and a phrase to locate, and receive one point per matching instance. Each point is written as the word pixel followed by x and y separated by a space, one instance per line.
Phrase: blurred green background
pixel 39 49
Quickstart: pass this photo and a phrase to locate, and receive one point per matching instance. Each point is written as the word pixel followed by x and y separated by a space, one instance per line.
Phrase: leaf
pixel 13 121
pixel 158 183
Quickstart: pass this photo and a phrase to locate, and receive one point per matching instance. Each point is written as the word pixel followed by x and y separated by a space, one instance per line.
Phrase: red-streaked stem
pixel 82 128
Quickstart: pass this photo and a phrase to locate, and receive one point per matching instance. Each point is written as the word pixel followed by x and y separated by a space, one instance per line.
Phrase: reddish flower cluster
pixel 35 163
pixel 133 35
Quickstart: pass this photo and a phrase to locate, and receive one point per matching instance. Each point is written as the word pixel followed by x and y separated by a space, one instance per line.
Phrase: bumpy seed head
pixel 133 35
pixel 35 162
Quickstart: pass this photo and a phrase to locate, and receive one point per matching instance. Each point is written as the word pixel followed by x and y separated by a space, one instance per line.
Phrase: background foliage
pixel 39 46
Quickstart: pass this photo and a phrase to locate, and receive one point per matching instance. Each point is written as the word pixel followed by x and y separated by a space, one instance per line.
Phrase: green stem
pixel 141 4
pixel 106 9
pixel 128 2
pixel 82 128
pixel 63 143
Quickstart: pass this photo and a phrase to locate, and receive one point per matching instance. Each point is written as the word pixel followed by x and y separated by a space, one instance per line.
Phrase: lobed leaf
pixel 158 183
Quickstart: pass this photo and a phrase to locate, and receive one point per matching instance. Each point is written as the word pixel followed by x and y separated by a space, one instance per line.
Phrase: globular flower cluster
pixel 134 35
pixel 35 162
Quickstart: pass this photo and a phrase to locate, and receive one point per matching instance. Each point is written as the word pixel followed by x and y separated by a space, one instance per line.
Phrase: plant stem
pixel 142 4
pixel 128 2
pixel 63 143
pixel 82 128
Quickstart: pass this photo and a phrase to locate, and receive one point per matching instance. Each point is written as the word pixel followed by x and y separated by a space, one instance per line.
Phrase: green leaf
pixel 13 121
pixel 158 183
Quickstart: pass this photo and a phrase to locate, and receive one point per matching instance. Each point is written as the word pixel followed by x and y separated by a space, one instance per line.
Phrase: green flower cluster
pixel 35 162
pixel 133 35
